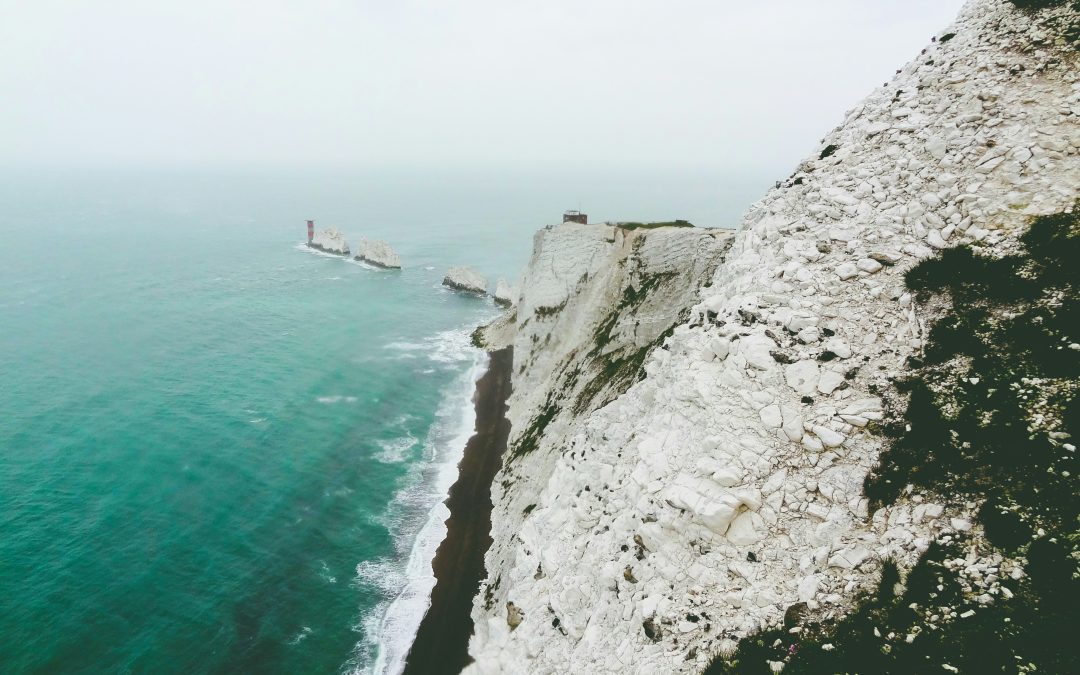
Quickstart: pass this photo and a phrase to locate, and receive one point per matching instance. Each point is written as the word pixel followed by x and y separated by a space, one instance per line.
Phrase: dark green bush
pixel 990 408
pixel 1035 5
pixel 651 226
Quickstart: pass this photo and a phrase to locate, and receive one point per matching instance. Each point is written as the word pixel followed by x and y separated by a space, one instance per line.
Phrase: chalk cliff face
pixel 690 409
pixel 505 294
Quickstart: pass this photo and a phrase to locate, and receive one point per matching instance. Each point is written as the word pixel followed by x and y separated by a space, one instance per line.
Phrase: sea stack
pixel 378 253
pixel 330 240
pixel 465 279
pixel 505 294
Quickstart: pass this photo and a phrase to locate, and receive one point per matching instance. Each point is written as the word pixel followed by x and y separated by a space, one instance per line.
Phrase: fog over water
pixel 477 82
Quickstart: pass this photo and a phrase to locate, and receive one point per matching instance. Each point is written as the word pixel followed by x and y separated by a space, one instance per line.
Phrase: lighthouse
pixel 310 230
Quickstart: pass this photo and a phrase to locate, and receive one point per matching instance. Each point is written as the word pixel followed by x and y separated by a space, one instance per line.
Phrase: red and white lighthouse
pixel 310 230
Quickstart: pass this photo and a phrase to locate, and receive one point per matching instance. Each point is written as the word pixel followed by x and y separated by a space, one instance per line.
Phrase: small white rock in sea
pixel 378 253
pixel 330 240
pixel 465 279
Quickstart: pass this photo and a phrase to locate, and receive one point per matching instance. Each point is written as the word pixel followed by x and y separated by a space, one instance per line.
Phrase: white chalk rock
pixel 756 350
pixel 839 347
pixel 465 279
pixel 330 240
pixel 830 438
pixel 829 381
pixel 802 376
pixel 505 294
pixel 869 265
pixel 847 271
pixel 379 253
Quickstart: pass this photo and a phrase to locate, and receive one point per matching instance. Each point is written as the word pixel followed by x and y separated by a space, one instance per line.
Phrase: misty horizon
pixel 470 86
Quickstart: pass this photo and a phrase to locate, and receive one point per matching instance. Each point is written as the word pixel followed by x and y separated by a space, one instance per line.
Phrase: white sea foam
pixel 361 263
pixel 302 246
pixel 396 450
pixel 390 628
pixel 299 637
pixel 324 573
pixel 330 400
pixel 451 346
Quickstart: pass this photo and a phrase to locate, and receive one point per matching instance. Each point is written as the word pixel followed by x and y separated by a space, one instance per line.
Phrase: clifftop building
pixel 575 217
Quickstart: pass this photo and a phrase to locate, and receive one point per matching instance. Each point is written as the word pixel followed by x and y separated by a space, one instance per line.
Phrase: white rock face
pixel 505 294
pixel 330 240
pixel 378 253
pixel 728 481
pixel 465 279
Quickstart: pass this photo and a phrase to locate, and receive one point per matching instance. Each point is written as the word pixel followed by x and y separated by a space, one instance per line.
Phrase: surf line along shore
pixel 442 641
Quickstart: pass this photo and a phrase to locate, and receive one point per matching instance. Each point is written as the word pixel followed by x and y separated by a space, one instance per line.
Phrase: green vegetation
pixel 919 625
pixel 477 338
pixel 530 438
pixel 617 373
pixel 544 311
pixel 992 400
pixel 1035 5
pixel 613 372
pixel 653 226
pixel 989 414
pixel 619 370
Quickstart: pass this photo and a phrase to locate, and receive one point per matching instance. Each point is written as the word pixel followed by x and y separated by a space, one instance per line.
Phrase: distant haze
pixel 749 83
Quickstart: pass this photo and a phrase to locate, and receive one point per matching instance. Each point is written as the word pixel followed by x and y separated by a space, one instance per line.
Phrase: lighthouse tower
pixel 310 230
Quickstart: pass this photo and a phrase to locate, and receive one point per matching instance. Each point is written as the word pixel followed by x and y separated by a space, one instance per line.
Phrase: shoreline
pixel 442 640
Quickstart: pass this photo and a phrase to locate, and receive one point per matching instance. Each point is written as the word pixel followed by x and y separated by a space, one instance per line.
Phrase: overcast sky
pixel 469 82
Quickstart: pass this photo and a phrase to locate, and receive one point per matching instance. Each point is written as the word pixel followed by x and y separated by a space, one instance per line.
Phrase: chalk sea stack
pixel 330 240
pixel 466 279
pixel 378 253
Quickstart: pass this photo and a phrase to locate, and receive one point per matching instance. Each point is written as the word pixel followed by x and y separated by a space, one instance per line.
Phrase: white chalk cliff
pixel 330 240
pixel 465 279
pixel 379 253
pixel 689 406
pixel 505 294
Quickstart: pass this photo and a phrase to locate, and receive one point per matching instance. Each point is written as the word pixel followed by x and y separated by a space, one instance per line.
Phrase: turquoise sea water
pixel 217 449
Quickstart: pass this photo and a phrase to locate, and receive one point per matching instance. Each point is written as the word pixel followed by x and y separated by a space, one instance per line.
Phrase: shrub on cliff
pixel 990 411
pixel 1035 5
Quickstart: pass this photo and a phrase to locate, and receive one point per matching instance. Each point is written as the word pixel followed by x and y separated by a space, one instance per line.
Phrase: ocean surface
pixel 221 452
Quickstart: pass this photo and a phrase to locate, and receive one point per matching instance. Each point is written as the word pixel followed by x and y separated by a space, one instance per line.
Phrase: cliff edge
pixel 695 416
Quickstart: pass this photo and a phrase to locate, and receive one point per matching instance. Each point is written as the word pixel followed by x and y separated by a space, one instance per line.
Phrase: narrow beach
pixel 441 644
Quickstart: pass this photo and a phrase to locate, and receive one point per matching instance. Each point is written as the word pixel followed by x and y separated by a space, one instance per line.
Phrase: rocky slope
pixel 642 525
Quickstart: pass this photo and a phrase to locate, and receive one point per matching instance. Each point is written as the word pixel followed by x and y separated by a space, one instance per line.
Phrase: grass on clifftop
pixel 990 409
pixel 653 226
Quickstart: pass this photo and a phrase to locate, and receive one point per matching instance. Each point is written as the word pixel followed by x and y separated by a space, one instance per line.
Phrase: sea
pixel 222 452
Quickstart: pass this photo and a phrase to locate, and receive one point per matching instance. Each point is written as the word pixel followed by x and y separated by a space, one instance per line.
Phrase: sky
pixel 685 83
